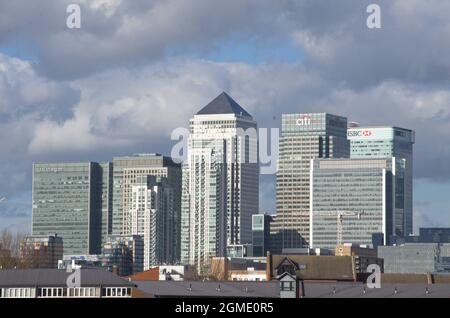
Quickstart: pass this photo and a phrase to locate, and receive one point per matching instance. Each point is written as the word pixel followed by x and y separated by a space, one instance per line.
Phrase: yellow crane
pixel 340 217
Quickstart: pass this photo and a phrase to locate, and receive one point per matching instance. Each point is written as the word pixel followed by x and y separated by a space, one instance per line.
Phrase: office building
pixel 125 252
pixel 239 250
pixel 72 199
pixel 354 199
pixel 430 235
pixel 220 181
pixel 41 251
pixel 127 171
pixel 261 234
pixel 153 217
pixel 303 137
pixel 416 258
pixel 383 142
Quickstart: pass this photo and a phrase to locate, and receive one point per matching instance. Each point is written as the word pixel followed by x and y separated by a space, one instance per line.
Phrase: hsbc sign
pixel 360 133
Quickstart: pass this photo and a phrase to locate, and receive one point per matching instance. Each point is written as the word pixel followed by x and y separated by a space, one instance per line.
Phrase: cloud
pixel 127 78
pixel 124 33
pixel 409 47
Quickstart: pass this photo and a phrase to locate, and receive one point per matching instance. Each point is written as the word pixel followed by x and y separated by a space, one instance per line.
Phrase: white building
pixel 152 217
pixel 220 181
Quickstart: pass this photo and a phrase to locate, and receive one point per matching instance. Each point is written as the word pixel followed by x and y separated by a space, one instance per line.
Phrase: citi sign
pixel 360 133
pixel 304 121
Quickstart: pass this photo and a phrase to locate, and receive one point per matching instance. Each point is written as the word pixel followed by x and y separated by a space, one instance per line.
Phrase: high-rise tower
pixel 220 181
pixel 381 142
pixel 303 137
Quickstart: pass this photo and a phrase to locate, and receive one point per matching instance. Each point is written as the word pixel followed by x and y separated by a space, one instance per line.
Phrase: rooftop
pixel 210 289
pixel 223 104
pixel 90 277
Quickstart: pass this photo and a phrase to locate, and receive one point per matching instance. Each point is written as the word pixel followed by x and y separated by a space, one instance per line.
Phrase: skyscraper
pixel 220 181
pixel 356 200
pixel 71 200
pixel 303 137
pixel 382 142
pixel 127 171
pixel 152 217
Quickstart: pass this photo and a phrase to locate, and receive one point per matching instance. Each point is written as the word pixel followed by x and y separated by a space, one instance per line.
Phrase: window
pixel 287 286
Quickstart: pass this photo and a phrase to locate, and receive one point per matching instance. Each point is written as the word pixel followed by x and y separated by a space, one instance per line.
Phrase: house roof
pixel 360 290
pixel 210 289
pixel 90 277
pixel 318 267
pixel 223 104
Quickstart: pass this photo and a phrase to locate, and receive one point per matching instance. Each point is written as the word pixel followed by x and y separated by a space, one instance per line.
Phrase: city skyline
pixel 79 95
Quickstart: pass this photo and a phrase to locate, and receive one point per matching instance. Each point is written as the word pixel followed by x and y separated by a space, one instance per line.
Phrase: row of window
pixel 59 292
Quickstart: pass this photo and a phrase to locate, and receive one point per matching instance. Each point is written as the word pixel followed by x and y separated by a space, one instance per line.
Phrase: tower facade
pixel 220 181
pixel 382 142
pixel 303 137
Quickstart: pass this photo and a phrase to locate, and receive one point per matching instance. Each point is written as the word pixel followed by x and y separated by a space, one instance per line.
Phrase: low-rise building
pixel 363 256
pixel 311 267
pixel 165 272
pixel 125 252
pixel 261 234
pixel 429 235
pixel 239 268
pixel 416 258
pixel 41 251
pixel 55 283
pixel 239 250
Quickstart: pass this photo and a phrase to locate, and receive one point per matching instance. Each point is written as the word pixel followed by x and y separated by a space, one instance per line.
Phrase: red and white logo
pixel 367 133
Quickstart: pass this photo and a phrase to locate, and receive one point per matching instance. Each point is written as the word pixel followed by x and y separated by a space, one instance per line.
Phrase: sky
pixel 136 70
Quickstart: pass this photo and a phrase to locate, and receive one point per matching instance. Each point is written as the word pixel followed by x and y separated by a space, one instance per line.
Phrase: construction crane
pixel 340 217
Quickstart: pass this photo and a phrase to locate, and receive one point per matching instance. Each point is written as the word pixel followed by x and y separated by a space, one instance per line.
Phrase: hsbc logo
pixel 304 121
pixel 359 133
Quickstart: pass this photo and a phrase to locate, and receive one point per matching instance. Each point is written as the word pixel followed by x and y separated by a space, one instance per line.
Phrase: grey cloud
pixel 409 47
pixel 134 32
pixel 110 87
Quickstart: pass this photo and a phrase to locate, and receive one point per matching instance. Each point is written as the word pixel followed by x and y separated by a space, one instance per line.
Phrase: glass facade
pixel 69 199
pixel 261 234
pixel 303 137
pixel 128 171
pixel 125 252
pixel 363 192
pixel 383 142
pixel 220 186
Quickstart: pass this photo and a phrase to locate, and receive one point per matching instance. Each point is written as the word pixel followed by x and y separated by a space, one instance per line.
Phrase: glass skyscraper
pixel 220 181
pixel 72 200
pixel 383 142
pixel 128 171
pixel 303 137
pixel 364 191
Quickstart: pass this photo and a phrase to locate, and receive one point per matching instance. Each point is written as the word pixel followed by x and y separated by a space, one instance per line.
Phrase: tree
pixel 10 250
